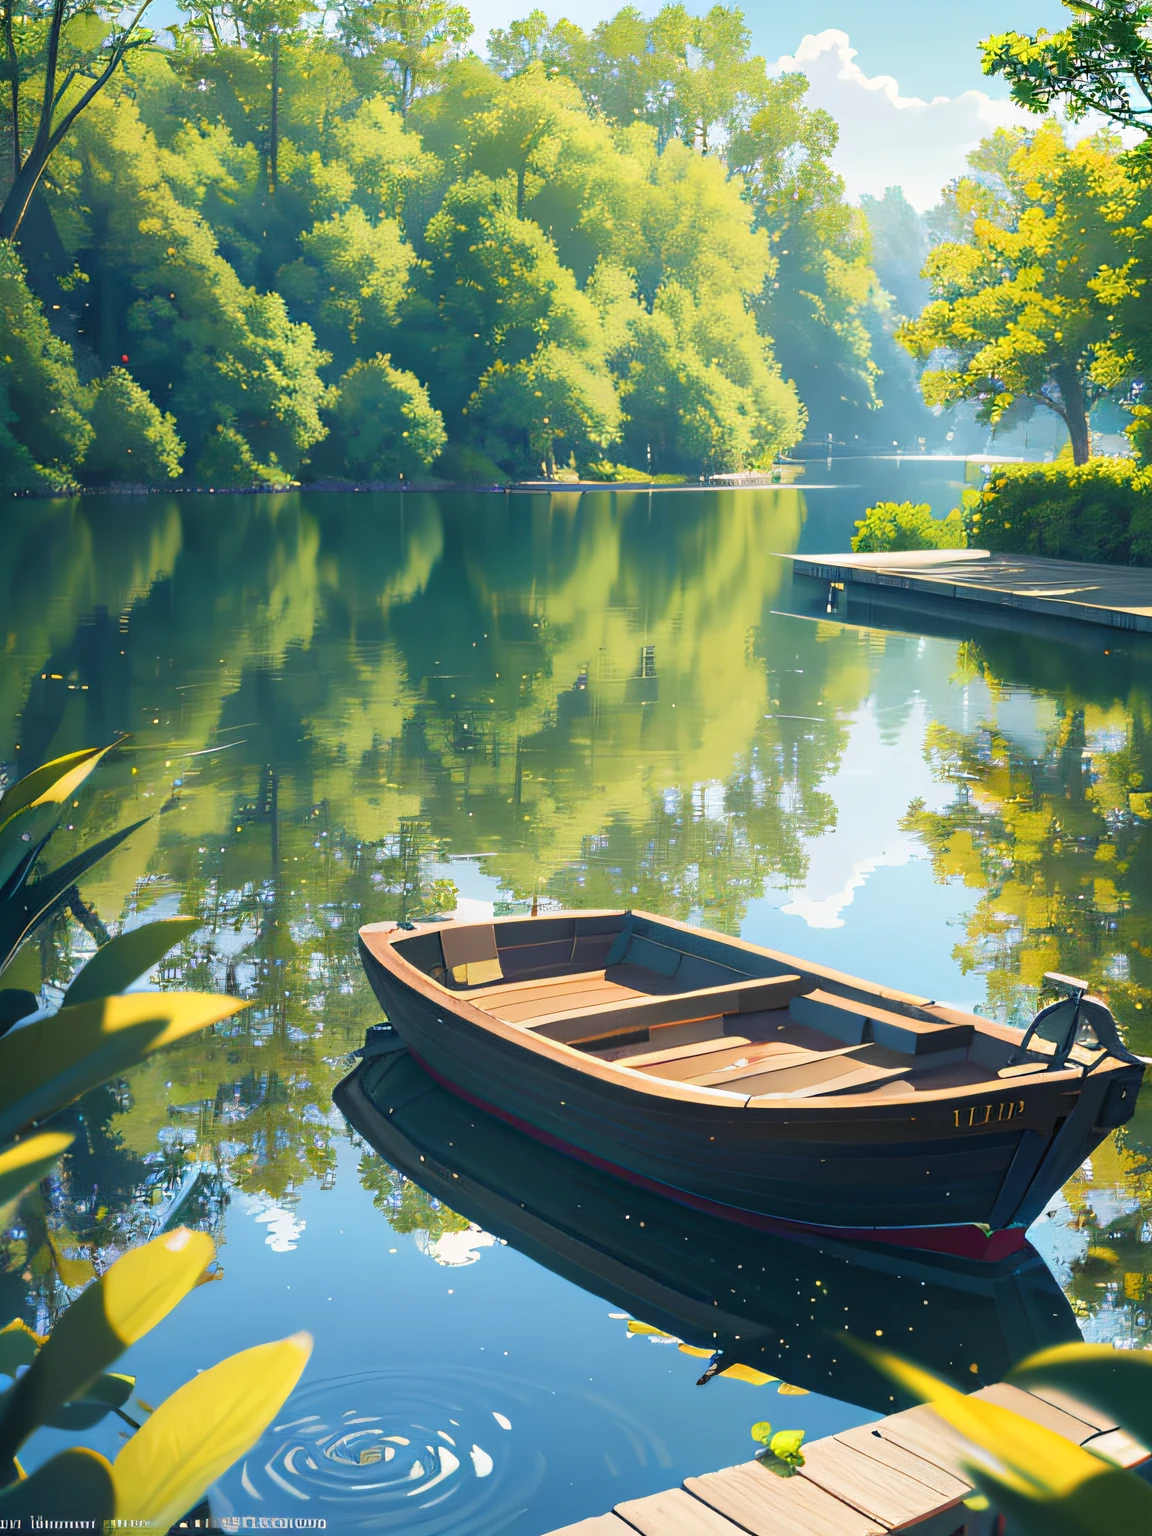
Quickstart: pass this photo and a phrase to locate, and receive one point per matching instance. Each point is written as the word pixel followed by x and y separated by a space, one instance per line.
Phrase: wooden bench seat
pixel 578 1026
pixel 860 1023
pixel 520 1002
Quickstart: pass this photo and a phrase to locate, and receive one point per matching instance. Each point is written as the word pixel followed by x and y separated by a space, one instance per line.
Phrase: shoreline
pixel 424 487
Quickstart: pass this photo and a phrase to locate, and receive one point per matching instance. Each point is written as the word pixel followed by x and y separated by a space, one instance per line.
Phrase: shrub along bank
pixel 900 525
pixel 1098 511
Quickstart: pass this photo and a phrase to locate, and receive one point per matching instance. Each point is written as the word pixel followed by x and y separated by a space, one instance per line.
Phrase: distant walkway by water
pixel 1115 596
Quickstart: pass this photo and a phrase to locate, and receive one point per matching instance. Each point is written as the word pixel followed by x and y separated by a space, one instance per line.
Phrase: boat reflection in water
pixel 780 1304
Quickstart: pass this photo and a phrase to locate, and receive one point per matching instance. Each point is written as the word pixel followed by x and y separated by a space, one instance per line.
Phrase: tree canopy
pixel 1101 62
pixel 622 248
pixel 1018 312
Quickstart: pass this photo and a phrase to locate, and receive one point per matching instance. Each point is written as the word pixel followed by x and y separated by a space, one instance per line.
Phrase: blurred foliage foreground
pixel 63 1379
pixel 1042 1483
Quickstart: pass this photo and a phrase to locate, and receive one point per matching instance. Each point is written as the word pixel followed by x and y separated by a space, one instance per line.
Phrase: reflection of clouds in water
pixel 825 912
pixel 284 1226
pixel 877 776
pixel 454 1249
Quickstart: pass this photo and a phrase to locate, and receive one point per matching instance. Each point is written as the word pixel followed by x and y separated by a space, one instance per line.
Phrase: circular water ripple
pixel 384 1451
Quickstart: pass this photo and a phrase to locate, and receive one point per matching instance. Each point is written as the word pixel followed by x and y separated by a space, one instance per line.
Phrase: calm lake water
pixel 605 700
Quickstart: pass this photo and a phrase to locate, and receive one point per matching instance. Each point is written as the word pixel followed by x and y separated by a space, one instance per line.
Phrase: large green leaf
pixel 52 782
pixel 16 1003
pixel 28 1161
pixel 110 1390
pixel 1117 1381
pixel 76 1485
pixel 18 1346
pixel 48 1063
pixel 130 1298
pixel 196 1434
pixel 20 914
pixel 1113 1504
pixel 118 963
pixel 21 838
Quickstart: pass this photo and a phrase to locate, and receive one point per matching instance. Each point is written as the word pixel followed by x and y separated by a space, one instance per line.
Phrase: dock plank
pixel 903 1473
pixel 870 1440
pixel 1117 596
pixel 674 1513
pixel 924 1432
pixel 766 1505
pixel 598 1525
pixel 1099 1420
pixel 886 1494
pixel 1119 1446
pixel 1038 1410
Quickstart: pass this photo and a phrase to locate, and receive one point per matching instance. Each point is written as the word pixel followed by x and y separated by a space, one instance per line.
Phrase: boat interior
pixel 690 1008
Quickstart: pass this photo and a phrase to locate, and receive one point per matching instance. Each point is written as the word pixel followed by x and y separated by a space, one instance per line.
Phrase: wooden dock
pixel 1114 596
pixel 903 1473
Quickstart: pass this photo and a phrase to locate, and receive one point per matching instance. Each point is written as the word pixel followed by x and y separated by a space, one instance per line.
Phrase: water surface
pixel 619 699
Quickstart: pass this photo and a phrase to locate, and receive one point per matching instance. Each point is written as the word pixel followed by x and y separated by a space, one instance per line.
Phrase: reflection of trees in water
pixel 1045 831
pixel 407 1207
pixel 327 698
pixel 1049 829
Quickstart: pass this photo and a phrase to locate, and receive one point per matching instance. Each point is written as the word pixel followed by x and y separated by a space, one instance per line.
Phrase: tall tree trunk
pixel 14 66
pixel 1075 414
pixel 274 151
pixel 49 130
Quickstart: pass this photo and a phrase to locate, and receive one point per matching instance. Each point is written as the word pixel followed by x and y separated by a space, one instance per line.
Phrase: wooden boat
pixel 746 1082
pixel 778 1303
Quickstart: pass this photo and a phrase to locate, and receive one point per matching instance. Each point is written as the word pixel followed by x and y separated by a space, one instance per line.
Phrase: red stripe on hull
pixel 965 1242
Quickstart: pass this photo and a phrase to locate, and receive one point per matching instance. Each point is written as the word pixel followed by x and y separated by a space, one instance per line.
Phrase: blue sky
pixel 902 79
pixel 930 49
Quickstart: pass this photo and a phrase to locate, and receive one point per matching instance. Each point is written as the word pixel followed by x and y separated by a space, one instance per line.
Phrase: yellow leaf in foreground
pixel 196 1434
pixel 648 1330
pixel 49 1063
pixel 52 782
pixel 1026 1456
pixel 786 1389
pixel 130 1298
pixel 28 1161
pixel 700 1354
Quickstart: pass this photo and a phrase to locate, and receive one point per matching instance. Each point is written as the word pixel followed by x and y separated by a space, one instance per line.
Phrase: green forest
pixel 275 243
pixel 281 244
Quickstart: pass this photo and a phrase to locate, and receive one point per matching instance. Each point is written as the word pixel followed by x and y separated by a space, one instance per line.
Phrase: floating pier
pixel 1114 596
pixel 903 1473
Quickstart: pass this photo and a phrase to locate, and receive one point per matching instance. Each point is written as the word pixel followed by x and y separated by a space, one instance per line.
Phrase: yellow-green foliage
pixel 62 1380
pixel 902 525
pixel 132 440
pixel 1018 313
pixel 42 425
pixel 602 242
pixel 1098 511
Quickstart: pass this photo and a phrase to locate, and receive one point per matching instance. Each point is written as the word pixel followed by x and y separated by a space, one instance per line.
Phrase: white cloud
pixel 891 140
pixel 879 774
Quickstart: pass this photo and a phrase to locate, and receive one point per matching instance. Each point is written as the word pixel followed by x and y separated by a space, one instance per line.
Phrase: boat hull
pixel 993 1157
pixel 775 1301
